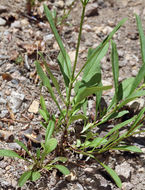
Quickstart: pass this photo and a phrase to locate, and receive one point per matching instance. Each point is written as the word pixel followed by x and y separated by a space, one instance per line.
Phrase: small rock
pixel 3 113
pixel 89 170
pixel 69 2
pixel 2 22
pixel 72 56
pixel 34 107
pixel 137 10
pixel 48 37
pixel 87 27
pixel 16 100
pixel 60 4
pixel 111 23
pixel 124 170
pixel 92 10
pixel 24 22
pixel 16 24
pixel 14 146
pixel 107 30
pixel 127 186
pixel 3 101
pixel 71 177
pixel 3 9
pixel 79 187
pixel 134 72
pixel 137 104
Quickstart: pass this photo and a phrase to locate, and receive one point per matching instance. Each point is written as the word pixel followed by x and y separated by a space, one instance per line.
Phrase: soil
pixel 22 34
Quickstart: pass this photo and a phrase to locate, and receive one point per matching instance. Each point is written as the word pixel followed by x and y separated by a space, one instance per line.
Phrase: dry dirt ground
pixel 22 35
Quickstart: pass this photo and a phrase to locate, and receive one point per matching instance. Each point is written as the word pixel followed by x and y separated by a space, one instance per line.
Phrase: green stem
pixel 76 56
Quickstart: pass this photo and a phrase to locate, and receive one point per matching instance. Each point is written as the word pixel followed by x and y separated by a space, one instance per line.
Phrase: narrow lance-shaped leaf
pixel 46 83
pixel 112 173
pixel 62 169
pixel 35 175
pixel 24 177
pixel 24 147
pixel 9 153
pixel 140 76
pixel 59 41
pixel 137 120
pixel 123 91
pixel 93 63
pixel 43 114
pixel 42 102
pixel 115 68
pixel 54 80
pixel 97 72
pixel 77 117
pixel 85 92
pixel 142 37
pixel 50 145
pixel 49 130
pixel 107 39
pixel 128 148
pixel 133 96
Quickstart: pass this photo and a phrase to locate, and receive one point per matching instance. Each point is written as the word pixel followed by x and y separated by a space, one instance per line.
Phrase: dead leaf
pixel 10 111
pixel 7 77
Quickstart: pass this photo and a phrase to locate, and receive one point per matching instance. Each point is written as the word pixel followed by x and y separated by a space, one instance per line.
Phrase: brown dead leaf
pixel 10 111
pixel 7 77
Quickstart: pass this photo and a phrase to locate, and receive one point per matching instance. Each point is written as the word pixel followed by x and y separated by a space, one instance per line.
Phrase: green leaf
pixel 49 130
pixel 10 153
pixel 38 153
pixel 128 148
pixel 87 91
pixel 115 68
pixel 50 145
pixel 77 117
pixel 67 64
pixel 24 177
pixel 62 65
pixel 88 126
pixel 85 107
pixel 96 76
pixel 112 173
pixel 133 96
pixel 43 105
pixel 123 91
pixel 97 142
pixel 35 176
pixel 121 113
pixel 62 169
pixel 101 46
pixel 137 120
pixel 60 159
pixel 92 68
pixel 142 37
pixel 46 83
pixel 54 80
pixel 140 76
pixel 23 146
pixel 109 37
pixel 44 115
pixel 119 126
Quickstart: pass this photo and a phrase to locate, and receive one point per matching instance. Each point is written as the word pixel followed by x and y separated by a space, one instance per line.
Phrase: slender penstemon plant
pixel 75 108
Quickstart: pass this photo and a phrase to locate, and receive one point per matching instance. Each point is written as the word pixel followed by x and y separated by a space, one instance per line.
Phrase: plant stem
pixel 76 56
